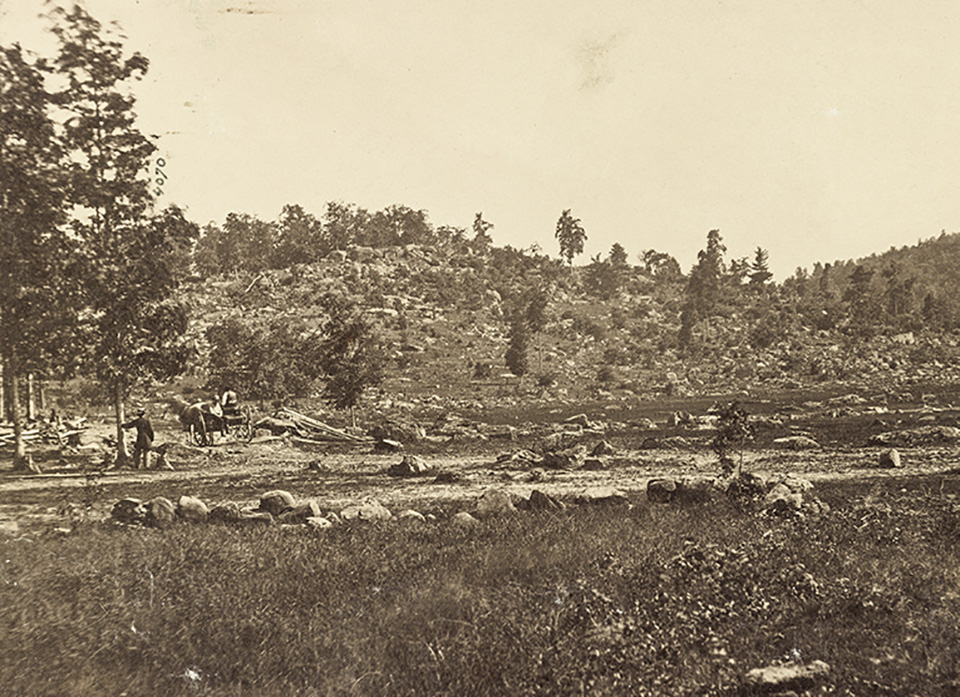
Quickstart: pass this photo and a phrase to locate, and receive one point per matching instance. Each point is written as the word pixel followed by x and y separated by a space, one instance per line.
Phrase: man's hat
pixel 141 411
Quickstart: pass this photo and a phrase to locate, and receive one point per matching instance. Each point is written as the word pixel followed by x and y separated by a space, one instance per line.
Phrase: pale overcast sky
pixel 819 130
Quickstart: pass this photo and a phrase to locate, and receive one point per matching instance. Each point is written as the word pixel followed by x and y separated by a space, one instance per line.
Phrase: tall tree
pixel 33 249
pixel 618 255
pixel 760 269
pixel 299 238
pixel 571 236
pixel 135 325
pixel 482 239
pixel 703 287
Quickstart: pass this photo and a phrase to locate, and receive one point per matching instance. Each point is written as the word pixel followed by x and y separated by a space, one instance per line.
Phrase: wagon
pixel 238 421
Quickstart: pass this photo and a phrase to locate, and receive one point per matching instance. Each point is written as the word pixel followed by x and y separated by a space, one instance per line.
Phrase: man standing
pixel 144 439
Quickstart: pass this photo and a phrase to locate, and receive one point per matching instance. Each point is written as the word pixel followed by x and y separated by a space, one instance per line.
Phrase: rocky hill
pixel 442 317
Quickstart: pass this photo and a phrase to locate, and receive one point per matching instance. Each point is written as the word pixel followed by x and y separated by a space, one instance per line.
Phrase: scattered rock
pixel 368 509
pixel 410 466
pixel 650 443
pixel 889 458
pixel 602 448
pixel 464 520
pixel 925 435
pixel 277 501
pixel 790 676
pixel 128 511
pixel 159 512
pixel 662 490
pixel 411 515
pixel 192 508
pixel 540 501
pixel 579 420
pixel 797 443
pixel 605 495
pixel 594 464
pixel 300 514
pixel 493 503
pixel 781 500
pixel 569 459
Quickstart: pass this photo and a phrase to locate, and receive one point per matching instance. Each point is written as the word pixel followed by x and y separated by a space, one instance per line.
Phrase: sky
pixel 816 129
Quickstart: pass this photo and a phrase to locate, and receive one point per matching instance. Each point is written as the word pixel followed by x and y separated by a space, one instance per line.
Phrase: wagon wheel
pixel 200 433
pixel 245 427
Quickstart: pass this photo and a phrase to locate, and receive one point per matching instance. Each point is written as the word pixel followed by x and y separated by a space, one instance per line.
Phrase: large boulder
pixel 160 512
pixel 780 499
pixel 602 448
pixel 277 501
pixel 368 509
pixel 493 503
pixel 192 508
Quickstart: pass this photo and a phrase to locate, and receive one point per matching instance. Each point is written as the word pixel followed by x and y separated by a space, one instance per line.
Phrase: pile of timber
pixel 58 432
pixel 313 431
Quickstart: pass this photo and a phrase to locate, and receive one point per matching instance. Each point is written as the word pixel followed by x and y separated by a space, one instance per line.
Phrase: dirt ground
pixel 75 484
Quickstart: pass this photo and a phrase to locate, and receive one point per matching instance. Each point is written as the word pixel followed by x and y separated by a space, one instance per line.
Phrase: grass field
pixel 658 600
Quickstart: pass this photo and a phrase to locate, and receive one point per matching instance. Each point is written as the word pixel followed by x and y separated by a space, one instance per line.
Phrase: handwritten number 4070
pixel 161 176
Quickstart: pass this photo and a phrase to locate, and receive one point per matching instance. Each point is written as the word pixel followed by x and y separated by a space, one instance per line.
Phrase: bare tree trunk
pixel 41 395
pixel 3 392
pixel 31 398
pixel 123 457
pixel 6 413
pixel 20 449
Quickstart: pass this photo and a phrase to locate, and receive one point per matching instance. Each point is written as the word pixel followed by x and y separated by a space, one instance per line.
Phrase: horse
pixel 201 419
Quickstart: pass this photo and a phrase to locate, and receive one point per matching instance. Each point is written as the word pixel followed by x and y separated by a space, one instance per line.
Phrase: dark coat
pixel 144 432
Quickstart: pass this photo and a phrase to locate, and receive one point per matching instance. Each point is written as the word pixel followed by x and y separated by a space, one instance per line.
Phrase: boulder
pixel 228 512
pixel 568 459
pixel 579 420
pixel 464 520
pixel 602 448
pixel 192 508
pixel 298 514
pixel 889 458
pixel 788 677
pixel 662 490
pixel 781 500
pixel 594 464
pixel 368 509
pixel 649 443
pixel 604 495
pixel 410 466
pixel 160 512
pixel 540 501
pixel 796 443
pixel 411 515
pixel 493 503
pixel 277 501
pixel 128 510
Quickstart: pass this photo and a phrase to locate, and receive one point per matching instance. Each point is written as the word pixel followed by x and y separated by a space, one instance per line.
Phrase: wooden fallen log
pixel 318 427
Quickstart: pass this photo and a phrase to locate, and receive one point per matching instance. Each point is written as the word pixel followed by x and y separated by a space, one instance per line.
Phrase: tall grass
pixel 654 600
